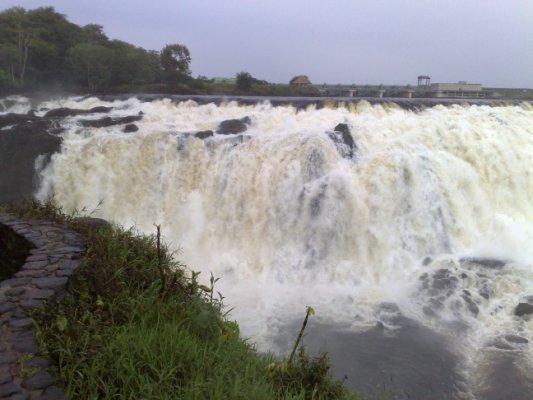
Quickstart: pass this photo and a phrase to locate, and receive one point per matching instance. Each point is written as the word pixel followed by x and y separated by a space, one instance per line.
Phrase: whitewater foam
pixel 287 221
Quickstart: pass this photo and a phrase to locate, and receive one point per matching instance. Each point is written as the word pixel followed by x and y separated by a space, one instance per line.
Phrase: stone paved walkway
pixel 56 255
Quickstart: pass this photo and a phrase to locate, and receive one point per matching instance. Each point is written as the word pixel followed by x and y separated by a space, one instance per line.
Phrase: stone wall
pixel 43 277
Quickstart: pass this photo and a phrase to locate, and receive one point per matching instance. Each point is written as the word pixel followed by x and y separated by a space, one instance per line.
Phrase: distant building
pixel 460 89
pixel 300 81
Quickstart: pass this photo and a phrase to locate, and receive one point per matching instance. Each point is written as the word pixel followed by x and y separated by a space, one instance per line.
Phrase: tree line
pixel 40 48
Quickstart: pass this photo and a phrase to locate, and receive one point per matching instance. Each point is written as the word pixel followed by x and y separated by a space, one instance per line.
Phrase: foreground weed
pixel 134 324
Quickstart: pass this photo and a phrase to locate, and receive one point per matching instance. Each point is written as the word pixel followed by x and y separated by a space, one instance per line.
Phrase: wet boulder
pixel 108 121
pixel 491 263
pixel 15 119
pixel 100 109
pixel 68 112
pixel 131 128
pixel 96 223
pixel 203 134
pixel 346 135
pixel 523 309
pixel 233 126
pixel 343 140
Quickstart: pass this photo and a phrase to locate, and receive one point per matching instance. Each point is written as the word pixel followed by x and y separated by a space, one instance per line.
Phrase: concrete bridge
pixel 379 91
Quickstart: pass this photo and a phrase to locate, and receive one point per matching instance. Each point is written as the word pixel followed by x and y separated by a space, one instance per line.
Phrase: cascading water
pixel 433 213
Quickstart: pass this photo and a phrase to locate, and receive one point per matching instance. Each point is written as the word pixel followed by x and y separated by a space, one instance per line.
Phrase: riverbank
pixel 134 323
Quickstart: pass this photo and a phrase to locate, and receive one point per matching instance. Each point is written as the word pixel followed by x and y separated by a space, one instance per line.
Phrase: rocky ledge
pixel 42 278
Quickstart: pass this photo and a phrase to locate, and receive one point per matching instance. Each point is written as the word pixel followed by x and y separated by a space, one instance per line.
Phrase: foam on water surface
pixel 287 221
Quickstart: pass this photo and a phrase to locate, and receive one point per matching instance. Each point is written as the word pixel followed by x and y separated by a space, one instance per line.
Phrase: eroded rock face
pixel 13 119
pixel 24 137
pixel 233 126
pixel 19 148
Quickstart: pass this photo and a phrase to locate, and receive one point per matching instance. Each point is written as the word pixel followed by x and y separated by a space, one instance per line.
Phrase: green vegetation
pixel 40 50
pixel 134 324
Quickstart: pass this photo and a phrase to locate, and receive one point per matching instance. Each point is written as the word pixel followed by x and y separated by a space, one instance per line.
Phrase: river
pixel 414 246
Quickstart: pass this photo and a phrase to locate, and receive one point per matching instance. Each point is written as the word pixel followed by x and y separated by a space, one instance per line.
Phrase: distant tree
pixel 34 44
pixel 244 81
pixel 175 59
pixel 15 42
pixel 132 65
pixel 91 61
pixel 94 33
pixel 52 37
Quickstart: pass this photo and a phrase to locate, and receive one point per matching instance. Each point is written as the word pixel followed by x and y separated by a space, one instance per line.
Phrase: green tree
pixel 94 34
pixel 244 81
pixel 34 44
pixel 15 42
pixel 132 65
pixel 92 62
pixel 53 36
pixel 175 60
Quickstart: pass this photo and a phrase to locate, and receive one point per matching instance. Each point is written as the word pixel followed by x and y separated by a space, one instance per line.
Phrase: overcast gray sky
pixel 334 41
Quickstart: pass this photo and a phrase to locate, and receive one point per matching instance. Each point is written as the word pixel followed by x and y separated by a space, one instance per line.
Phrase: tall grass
pixel 136 325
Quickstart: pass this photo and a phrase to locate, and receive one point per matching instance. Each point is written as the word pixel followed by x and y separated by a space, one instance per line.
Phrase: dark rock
pixel 502 345
pixel 6 307
pixel 15 291
pixel 53 393
pixel 427 260
pixel 100 109
pixel 31 304
pixel 37 294
pixel 342 137
pixel 26 346
pixel 7 359
pixel 484 262
pixel 40 380
pixel 15 119
pixel 474 309
pixel 203 134
pixel 23 323
pixel 35 264
pixel 9 389
pixel 443 280
pixel 50 283
pixel 63 112
pixel 233 126
pixel 108 121
pixel 19 147
pixel 516 339
pixel 67 112
pixel 19 396
pixel 96 223
pixel 131 128
pixel 523 309
pixel 36 362
pixel 5 376
pixel 347 138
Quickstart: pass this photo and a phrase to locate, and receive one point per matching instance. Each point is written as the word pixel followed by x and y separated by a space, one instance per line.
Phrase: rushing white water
pixel 286 221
